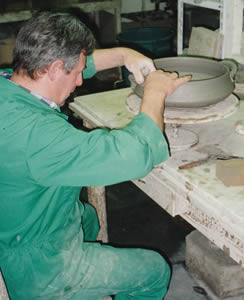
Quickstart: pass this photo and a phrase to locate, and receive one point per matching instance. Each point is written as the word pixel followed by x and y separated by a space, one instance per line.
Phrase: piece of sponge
pixel 230 172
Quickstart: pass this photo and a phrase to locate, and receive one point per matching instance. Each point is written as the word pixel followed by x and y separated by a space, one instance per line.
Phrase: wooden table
pixel 196 194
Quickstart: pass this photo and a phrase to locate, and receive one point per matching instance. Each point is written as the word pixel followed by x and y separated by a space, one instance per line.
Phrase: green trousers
pixel 84 270
pixel 125 273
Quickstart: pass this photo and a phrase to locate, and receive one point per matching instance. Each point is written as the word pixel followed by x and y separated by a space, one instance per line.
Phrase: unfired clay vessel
pixel 212 80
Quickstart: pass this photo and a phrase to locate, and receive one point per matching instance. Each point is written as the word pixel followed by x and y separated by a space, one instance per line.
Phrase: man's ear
pixel 55 69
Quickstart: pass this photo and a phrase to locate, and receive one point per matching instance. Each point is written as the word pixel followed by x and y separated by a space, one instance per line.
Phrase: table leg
pixel 3 290
pixel 96 197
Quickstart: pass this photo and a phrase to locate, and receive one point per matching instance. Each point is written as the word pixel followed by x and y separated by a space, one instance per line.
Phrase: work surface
pixel 196 194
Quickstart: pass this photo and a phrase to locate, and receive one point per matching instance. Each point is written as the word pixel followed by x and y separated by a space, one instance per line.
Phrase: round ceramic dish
pixel 212 80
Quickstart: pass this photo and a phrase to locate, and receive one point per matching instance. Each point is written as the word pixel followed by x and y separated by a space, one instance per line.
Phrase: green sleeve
pixel 90 69
pixel 59 154
pixel 7 70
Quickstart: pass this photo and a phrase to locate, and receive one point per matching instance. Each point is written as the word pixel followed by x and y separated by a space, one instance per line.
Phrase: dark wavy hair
pixel 49 36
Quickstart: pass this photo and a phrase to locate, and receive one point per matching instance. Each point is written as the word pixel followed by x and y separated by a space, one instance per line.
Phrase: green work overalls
pixel 46 233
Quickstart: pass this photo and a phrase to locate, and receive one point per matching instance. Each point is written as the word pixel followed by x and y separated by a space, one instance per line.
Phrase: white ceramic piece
pixel 174 115
pixel 181 139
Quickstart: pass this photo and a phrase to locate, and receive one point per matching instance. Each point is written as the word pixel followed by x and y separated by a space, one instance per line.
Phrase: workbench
pixel 196 194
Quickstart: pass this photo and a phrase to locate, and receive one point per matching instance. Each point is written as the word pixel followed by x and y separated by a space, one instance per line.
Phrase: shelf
pixel 230 27
pixel 21 15
pixel 212 4
pixel 86 6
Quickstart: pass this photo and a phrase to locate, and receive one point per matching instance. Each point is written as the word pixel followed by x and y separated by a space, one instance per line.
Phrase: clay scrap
pixel 230 172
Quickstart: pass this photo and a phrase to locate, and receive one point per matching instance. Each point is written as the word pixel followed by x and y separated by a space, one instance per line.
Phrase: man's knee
pixel 161 270
pixel 161 262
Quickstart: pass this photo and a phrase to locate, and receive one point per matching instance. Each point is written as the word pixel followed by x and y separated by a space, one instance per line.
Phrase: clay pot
pixel 212 80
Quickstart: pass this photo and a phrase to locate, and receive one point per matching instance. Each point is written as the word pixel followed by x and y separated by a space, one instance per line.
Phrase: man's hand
pixel 158 85
pixel 164 82
pixel 134 61
pixel 138 64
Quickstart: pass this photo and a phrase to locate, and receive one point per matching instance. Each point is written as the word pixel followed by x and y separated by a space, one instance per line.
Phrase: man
pixel 47 248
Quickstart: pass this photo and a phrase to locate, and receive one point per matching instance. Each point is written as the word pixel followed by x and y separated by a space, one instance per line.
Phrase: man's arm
pixel 135 62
